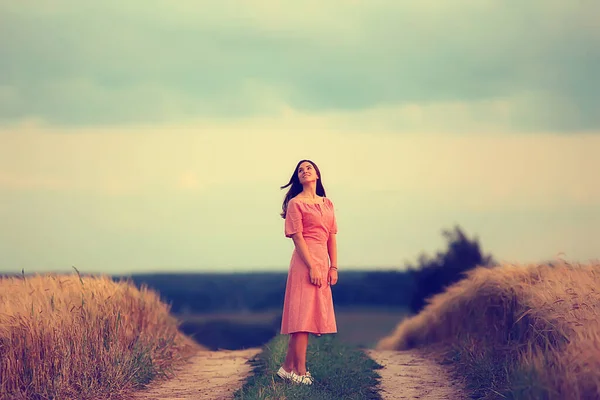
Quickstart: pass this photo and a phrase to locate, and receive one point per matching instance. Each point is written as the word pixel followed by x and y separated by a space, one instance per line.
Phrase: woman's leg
pixel 290 362
pixel 300 347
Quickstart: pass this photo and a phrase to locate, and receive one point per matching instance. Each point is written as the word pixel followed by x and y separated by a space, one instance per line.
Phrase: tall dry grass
pixel 75 337
pixel 528 331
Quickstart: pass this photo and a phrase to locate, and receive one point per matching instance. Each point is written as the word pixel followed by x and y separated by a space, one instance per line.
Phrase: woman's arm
pixel 332 249
pixel 313 273
pixel 302 249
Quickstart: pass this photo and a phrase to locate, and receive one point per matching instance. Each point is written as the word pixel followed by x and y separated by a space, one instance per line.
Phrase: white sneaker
pixel 304 379
pixel 283 374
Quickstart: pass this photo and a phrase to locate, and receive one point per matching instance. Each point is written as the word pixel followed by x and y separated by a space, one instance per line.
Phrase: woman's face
pixel 307 173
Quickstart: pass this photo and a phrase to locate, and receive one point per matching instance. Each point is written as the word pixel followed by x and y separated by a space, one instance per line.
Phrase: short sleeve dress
pixel 306 307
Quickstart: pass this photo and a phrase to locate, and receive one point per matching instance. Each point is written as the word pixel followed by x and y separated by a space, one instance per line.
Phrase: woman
pixel 308 304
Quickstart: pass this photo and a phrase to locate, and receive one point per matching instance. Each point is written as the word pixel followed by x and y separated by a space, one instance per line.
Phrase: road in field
pixel 409 375
pixel 214 375
pixel 217 375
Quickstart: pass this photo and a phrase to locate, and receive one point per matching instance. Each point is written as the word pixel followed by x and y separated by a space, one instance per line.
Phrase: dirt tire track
pixel 409 375
pixel 214 375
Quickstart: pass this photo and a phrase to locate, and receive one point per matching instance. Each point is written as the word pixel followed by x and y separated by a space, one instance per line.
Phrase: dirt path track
pixel 408 375
pixel 216 375
pixel 213 375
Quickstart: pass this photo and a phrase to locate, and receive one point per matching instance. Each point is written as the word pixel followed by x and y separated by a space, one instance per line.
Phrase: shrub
pixel 434 274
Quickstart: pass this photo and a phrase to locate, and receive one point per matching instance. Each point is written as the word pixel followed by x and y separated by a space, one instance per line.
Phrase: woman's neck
pixel 309 190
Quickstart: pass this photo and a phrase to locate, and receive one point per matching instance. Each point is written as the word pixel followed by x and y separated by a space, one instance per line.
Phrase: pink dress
pixel 306 307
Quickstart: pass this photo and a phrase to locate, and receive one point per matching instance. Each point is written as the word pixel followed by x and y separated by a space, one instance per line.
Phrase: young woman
pixel 308 304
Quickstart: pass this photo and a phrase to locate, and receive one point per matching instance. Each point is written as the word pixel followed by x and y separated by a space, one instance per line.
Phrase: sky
pixel 146 136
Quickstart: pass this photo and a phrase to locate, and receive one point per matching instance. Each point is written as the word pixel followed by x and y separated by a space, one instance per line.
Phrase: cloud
pixel 152 62
pixel 470 170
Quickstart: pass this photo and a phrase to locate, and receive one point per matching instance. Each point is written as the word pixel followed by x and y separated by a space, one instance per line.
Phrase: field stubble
pixel 72 336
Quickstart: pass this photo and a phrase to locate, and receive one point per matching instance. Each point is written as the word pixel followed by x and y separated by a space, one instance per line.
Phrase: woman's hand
pixel 315 277
pixel 332 276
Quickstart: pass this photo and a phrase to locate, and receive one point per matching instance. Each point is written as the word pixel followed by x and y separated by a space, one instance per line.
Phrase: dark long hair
pixel 296 186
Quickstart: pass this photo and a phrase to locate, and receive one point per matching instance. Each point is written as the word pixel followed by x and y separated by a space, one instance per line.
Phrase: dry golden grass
pixel 72 337
pixel 542 322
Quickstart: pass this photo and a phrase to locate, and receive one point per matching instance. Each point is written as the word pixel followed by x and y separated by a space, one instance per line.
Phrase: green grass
pixel 340 371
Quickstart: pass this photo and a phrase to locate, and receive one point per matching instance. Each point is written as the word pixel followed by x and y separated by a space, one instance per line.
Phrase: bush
pixel 433 275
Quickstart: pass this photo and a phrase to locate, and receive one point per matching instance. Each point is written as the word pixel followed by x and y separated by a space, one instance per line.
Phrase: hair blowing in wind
pixel 296 186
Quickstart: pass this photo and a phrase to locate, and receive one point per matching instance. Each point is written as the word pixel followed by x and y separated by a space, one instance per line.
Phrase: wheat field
pixel 83 337
pixel 541 322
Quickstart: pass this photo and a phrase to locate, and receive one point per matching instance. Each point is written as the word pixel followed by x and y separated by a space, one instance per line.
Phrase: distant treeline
pixel 262 291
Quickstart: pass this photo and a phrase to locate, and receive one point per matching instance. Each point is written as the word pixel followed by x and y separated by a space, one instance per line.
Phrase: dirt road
pixel 214 375
pixel 408 375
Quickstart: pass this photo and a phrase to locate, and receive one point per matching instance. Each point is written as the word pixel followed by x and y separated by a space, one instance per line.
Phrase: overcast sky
pixel 154 135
